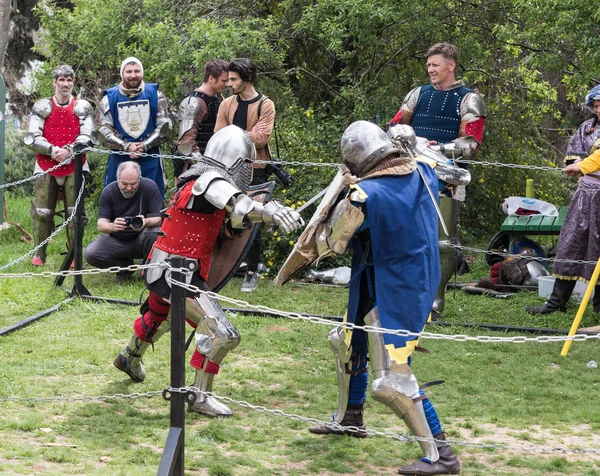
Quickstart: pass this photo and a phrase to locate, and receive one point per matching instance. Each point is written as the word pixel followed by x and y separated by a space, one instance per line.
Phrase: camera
pixel 136 223
pixel 275 168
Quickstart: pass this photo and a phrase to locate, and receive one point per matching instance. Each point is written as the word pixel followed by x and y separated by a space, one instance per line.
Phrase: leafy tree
pixel 327 63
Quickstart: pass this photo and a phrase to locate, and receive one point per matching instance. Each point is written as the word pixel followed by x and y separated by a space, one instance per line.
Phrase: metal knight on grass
pixel 211 196
pixel 381 204
pixel 56 125
pixel 441 112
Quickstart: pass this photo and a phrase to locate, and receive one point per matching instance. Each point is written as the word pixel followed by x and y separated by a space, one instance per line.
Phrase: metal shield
pixel 134 117
pixel 305 250
pixel 229 252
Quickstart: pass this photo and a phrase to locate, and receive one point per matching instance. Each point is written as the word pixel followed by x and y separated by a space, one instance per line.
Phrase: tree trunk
pixel 5 7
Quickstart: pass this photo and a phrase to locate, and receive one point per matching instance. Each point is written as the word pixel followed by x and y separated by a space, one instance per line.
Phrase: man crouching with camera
pixel 129 219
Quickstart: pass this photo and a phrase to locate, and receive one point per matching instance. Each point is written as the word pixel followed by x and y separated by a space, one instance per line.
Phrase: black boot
pixel 561 292
pixel 596 300
pixel 447 463
pixel 353 417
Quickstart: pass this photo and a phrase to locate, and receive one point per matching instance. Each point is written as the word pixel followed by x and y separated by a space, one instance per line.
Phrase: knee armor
pixel 215 335
pixel 396 386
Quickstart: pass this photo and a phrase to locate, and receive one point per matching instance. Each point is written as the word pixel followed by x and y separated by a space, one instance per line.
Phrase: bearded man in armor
pixel 382 205
pixel 444 111
pixel 56 126
pixel 197 114
pixel 211 195
pixel 135 120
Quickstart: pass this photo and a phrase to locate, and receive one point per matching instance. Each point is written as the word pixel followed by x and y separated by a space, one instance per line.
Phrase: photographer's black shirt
pixel 113 205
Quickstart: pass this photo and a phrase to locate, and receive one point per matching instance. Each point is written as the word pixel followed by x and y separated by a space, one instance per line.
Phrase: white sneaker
pixel 250 282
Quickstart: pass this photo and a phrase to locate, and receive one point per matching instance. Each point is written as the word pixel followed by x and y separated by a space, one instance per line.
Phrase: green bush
pixel 19 160
pixel 305 137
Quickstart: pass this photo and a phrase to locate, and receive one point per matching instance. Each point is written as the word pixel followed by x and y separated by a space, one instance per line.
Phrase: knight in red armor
pixel 56 125
pixel 445 113
pixel 211 194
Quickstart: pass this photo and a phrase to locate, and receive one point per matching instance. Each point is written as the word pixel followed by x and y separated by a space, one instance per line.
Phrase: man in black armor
pixel 198 112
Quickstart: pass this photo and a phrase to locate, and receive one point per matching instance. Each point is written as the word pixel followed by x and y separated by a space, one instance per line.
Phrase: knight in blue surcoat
pixel 383 205
pixel 135 120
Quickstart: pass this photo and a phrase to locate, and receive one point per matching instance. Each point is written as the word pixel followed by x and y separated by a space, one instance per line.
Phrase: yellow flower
pixel 293 206
pixel 279 238
pixel 481 180
pixel 275 233
pixel 291 242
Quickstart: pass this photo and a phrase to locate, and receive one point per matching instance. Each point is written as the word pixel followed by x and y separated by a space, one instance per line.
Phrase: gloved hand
pixel 287 219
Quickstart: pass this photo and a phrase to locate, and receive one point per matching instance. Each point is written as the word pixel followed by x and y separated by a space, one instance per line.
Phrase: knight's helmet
pixel 364 145
pixel 231 146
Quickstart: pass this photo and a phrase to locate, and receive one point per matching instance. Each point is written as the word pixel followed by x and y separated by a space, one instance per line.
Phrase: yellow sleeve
pixel 590 164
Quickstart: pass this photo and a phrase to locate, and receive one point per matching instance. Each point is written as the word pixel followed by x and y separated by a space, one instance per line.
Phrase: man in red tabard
pixel 56 125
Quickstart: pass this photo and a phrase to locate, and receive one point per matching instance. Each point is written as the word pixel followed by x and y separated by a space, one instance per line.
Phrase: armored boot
pixel 450 210
pixel 129 359
pixel 561 292
pixel 43 221
pixel 215 338
pixel 348 365
pixel 205 404
pixel 447 462
pixel 353 420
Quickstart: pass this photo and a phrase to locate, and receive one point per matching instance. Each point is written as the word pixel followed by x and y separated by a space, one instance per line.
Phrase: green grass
pixel 515 394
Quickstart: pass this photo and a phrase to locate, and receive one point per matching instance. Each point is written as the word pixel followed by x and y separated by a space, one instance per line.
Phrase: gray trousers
pixel 106 251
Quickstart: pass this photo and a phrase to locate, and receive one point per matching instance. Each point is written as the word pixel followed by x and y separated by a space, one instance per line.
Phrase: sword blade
pixel 312 200
pixel 435 203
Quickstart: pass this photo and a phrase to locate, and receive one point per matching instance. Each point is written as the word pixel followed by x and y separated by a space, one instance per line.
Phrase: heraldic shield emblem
pixel 231 248
pixel 134 117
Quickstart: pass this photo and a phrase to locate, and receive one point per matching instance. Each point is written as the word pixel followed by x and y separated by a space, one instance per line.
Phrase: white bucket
pixel 546 283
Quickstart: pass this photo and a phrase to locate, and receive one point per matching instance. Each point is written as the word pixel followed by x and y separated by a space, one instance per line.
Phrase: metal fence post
pixel 172 461
pixel 76 248
pixel 2 129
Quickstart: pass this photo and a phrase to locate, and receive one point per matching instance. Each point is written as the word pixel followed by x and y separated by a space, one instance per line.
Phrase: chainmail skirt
pixel 579 237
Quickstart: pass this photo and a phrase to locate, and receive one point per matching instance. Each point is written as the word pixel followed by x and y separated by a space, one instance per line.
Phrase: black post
pixel 77 246
pixel 171 462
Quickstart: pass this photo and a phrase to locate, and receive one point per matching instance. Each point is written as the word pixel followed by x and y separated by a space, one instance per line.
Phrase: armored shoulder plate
pixel 104 106
pixel 188 108
pixel 472 104
pixel 162 101
pixel 410 100
pixel 83 109
pixel 42 108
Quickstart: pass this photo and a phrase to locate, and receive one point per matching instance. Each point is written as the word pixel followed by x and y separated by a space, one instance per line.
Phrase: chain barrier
pixel 293 416
pixel 187 157
pixel 56 232
pixel 382 330
pixel 329 164
pixel 504 254
pixel 510 166
pixel 282 162
pixel 82 398
pixel 39 174
pixel 112 269
pixel 387 434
